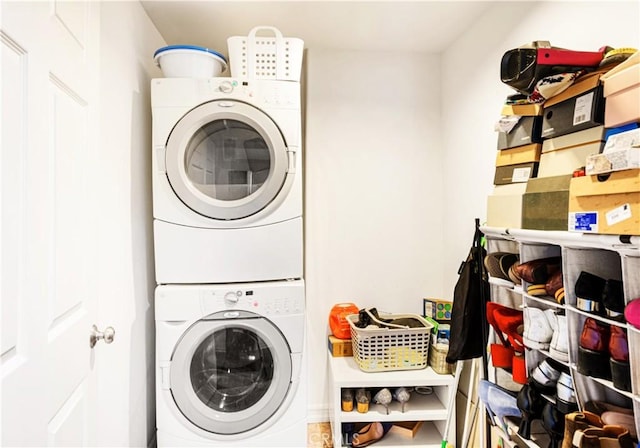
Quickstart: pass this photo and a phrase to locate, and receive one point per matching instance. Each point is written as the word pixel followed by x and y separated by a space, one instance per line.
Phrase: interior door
pixel 49 134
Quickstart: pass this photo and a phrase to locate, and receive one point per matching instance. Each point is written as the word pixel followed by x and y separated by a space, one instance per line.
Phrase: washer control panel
pixel 270 301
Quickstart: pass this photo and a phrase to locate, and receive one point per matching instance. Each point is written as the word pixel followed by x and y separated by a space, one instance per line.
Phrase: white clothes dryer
pixel 227 180
pixel 230 367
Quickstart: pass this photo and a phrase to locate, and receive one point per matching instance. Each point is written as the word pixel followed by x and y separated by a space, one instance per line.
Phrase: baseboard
pixel 318 414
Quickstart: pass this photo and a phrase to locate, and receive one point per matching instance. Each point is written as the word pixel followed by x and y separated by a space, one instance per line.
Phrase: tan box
pixel 522 110
pixel 339 347
pixel 519 154
pixel 510 174
pixel 504 206
pixel 607 204
pixel 406 429
pixel 622 91
pixel 545 204
pixel 564 154
pixel 583 84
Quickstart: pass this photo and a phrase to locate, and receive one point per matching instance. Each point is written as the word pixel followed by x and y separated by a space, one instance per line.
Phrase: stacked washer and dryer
pixel 230 301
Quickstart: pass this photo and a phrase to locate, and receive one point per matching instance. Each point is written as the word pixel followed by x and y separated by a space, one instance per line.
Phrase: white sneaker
pixel 559 347
pixel 538 328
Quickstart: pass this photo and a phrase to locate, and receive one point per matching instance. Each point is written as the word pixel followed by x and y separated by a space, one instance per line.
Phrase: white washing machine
pixel 230 368
pixel 227 180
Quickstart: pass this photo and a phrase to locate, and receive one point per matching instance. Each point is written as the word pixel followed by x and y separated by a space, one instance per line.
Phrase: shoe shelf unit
pixel 607 256
pixel 431 409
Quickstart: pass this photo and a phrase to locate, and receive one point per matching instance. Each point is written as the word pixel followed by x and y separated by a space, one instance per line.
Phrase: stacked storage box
pixel 519 147
pixel 572 129
pixel 607 199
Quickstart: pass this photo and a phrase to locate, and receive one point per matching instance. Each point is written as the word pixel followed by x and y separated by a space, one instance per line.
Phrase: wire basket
pixel 272 58
pixel 385 348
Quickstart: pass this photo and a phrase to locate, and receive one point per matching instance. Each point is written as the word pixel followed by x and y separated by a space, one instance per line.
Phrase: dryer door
pixel 230 372
pixel 226 160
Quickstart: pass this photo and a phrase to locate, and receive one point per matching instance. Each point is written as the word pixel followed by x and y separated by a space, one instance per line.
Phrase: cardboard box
pixel 339 347
pixel 527 131
pixel 580 106
pixel 437 309
pixel 520 154
pixel 522 109
pixel 607 204
pixel 564 154
pixel 510 174
pixel 622 91
pixel 621 152
pixel 545 204
pixel 406 429
pixel 504 206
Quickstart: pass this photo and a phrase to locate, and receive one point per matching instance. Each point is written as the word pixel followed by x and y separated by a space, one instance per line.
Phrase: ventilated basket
pixel 384 349
pixel 272 58
pixel 438 359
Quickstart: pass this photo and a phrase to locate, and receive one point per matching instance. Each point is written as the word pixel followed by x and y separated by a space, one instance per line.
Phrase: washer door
pixel 230 372
pixel 226 159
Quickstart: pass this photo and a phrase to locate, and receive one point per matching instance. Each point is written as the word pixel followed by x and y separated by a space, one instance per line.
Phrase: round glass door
pixel 226 160
pixel 230 376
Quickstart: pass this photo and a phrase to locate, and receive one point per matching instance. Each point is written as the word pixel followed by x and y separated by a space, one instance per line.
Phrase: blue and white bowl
pixel 189 61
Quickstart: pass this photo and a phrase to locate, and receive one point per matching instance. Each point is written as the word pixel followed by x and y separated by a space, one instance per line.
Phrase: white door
pixel 49 74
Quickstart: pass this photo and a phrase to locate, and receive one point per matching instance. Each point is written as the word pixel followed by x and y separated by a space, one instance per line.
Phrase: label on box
pixel 582 111
pixel 583 221
pixel 521 174
pixel 618 214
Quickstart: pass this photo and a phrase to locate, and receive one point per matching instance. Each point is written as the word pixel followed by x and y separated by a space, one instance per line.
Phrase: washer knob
pixel 232 296
pixel 226 87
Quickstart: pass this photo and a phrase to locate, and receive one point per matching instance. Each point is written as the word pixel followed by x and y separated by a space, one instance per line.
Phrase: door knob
pixel 107 335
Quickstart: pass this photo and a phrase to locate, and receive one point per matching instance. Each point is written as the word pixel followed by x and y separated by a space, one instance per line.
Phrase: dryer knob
pixel 231 297
pixel 226 87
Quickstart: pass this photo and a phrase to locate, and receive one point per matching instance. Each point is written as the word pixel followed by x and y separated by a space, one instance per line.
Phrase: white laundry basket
pixel 271 57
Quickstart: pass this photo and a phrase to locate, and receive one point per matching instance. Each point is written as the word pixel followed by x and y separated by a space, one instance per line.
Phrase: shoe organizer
pixel 606 256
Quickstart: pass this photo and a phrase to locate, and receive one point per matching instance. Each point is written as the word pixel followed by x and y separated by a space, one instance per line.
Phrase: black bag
pixel 469 330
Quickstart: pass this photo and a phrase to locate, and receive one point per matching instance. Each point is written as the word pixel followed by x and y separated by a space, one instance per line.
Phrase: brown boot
pixel 578 421
pixel 609 436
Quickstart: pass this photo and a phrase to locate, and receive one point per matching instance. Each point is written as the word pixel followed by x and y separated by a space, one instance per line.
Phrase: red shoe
pixel 619 350
pixel 593 352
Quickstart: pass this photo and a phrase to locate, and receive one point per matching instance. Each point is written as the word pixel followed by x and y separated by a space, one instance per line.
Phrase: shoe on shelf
pixel 566 394
pixel 554 283
pixel 588 289
pixel 530 403
pixel 553 424
pixel 498 264
pixel 538 327
pixel 593 350
pixel 620 418
pixel 613 299
pixel 600 407
pixel 383 397
pixel 371 433
pixel 402 395
pixel 545 376
pixel 619 362
pixel 559 346
pixel 578 421
pixel 498 401
pixel 538 271
pixel 609 436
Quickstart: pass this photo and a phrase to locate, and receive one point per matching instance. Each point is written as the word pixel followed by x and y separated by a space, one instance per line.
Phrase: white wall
pixel 126 368
pixel 473 95
pixel 374 194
